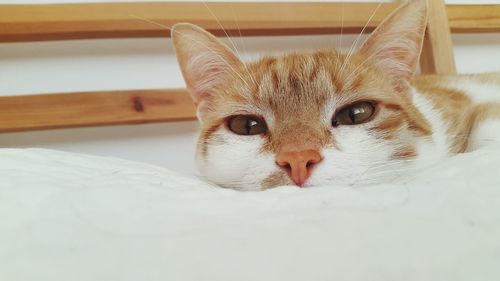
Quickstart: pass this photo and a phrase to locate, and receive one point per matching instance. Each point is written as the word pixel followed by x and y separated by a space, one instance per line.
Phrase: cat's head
pixel 308 119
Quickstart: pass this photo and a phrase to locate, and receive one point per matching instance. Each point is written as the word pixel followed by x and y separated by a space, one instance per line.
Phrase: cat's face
pixel 308 119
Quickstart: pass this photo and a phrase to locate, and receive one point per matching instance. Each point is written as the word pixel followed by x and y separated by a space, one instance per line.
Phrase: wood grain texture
pixel 474 18
pixel 119 20
pixel 113 20
pixel 50 111
pixel 437 54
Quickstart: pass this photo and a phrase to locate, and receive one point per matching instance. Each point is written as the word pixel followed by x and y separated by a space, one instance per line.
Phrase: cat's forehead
pixel 292 81
pixel 291 71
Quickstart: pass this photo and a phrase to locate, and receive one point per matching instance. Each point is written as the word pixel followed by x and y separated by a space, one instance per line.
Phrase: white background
pixel 88 65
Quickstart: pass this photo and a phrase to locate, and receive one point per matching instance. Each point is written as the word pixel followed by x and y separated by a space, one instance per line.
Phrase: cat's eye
pixel 247 125
pixel 353 114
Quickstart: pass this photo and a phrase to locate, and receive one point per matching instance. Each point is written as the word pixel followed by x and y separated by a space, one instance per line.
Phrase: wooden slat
pixel 116 20
pixel 112 20
pixel 437 54
pixel 23 113
pixel 473 18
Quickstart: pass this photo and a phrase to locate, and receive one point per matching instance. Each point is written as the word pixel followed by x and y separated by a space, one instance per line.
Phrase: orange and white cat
pixel 328 118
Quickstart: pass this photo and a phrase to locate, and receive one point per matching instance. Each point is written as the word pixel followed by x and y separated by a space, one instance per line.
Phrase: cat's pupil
pixel 249 124
pixel 352 114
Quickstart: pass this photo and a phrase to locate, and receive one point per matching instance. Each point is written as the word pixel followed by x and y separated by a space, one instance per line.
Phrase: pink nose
pixel 298 163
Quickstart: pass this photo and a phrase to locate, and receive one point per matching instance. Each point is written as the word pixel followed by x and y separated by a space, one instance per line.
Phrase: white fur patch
pixel 359 155
pixel 236 161
pixel 485 133
pixel 438 146
pixel 477 91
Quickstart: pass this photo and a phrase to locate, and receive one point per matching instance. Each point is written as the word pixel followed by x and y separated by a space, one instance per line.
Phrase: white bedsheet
pixel 74 217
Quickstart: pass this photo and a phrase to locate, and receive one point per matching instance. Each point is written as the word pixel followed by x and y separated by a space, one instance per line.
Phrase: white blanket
pixel 74 217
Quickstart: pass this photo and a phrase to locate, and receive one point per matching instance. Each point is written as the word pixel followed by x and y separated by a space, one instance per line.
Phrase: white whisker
pixel 222 27
pixel 196 41
pixel 229 38
pixel 356 41
pixel 342 25
pixel 242 44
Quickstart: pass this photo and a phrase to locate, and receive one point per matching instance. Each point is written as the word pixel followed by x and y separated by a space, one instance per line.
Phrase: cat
pixel 329 118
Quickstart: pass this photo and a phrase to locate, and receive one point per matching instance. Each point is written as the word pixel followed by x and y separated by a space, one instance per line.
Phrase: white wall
pixel 87 65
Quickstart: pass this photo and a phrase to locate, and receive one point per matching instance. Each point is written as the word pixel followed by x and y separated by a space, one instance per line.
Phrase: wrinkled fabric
pixel 66 216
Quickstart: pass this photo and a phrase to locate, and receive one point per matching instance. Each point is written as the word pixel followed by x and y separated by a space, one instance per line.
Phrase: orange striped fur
pixel 416 121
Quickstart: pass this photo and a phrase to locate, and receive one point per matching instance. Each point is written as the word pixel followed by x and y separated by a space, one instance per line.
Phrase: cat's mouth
pixel 283 178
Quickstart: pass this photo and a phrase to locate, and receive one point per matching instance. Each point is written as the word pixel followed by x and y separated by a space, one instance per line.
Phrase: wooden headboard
pixel 35 22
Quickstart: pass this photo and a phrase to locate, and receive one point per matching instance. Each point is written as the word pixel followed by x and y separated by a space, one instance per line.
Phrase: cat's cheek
pixel 337 169
pixel 351 160
pixel 236 162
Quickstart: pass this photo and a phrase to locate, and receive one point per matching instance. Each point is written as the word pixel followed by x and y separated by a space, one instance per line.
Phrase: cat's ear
pixel 203 59
pixel 395 46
